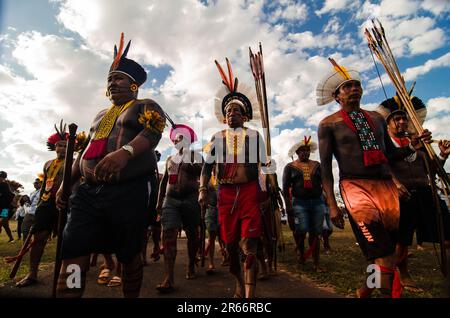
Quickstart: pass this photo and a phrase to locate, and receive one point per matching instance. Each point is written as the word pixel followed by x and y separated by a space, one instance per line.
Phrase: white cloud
pixel 427 42
pixel 308 40
pixel 333 25
pixel 399 7
pixel 332 6
pixel 411 73
pixel 289 11
pixel 437 7
pixel 411 36
pixel 439 107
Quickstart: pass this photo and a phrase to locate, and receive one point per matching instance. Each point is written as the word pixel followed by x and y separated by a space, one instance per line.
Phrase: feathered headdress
pixel 305 142
pixel 332 81
pixel 393 105
pixel 231 92
pixel 126 66
pixel 176 129
pixel 61 134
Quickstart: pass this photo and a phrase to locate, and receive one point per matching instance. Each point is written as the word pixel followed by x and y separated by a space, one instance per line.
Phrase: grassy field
pixel 13 248
pixel 346 266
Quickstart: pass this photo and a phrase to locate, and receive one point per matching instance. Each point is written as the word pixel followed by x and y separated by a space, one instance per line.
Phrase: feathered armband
pixel 153 121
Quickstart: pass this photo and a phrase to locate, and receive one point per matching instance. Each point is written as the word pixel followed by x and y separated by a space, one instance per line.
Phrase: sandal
pixel 27 281
pixel 165 289
pixel 103 277
pixel 115 281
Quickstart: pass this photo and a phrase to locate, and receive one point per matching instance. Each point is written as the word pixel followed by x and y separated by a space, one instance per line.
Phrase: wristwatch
pixel 129 148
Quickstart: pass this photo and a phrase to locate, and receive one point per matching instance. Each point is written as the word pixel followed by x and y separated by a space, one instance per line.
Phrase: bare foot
pixel 319 269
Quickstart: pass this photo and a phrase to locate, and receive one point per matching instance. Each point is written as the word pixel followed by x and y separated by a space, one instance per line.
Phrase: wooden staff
pixel 18 259
pixel 257 67
pixel 66 189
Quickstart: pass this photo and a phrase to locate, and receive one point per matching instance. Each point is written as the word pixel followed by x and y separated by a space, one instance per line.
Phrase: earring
pixel 133 87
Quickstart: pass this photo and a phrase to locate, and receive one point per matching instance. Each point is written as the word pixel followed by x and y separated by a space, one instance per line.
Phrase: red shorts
pixel 239 211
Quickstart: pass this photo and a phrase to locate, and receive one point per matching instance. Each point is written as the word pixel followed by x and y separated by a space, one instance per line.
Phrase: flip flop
pixel 103 277
pixel 115 281
pixel 27 281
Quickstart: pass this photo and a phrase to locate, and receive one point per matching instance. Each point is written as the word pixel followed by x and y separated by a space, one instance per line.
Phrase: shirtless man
pixel 236 154
pixel 178 204
pixel 109 210
pixel 360 143
pixel 46 214
pixel 302 178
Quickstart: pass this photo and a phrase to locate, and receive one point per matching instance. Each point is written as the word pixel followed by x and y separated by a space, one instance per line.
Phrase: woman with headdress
pixel 305 206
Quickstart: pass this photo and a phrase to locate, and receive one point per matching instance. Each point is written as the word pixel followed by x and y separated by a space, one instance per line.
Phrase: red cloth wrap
pixel 396 284
pixel 96 149
pixel 239 212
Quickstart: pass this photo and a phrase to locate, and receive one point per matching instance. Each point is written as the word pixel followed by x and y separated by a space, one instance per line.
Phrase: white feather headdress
pixel 305 142
pixel 332 81
pixel 234 92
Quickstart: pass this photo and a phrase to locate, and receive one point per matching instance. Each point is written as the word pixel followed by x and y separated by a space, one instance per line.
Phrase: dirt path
pixel 219 285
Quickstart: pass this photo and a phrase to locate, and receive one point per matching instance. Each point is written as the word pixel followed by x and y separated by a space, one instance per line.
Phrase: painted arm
pixel 326 156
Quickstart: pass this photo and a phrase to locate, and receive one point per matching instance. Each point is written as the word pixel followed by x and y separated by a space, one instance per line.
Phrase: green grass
pixel 12 249
pixel 346 266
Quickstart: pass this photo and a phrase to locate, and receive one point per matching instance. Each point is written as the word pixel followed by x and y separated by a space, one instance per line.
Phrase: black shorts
pixel 46 216
pixel 419 214
pixel 108 219
pixel 374 239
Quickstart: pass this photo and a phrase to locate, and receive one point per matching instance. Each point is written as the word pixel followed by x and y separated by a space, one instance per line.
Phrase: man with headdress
pixel 178 204
pixel 236 155
pixel 46 213
pixel 417 205
pixel 306 209
pixel 359 141
pixel 109 210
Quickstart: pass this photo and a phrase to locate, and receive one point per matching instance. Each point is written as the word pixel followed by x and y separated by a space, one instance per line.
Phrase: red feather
pixel 119 53
pixel 222 74
pixel 230 74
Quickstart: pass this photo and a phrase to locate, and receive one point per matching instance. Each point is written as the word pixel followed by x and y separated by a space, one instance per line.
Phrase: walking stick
pixel 18 259
pixel 202 237
pixel 66 188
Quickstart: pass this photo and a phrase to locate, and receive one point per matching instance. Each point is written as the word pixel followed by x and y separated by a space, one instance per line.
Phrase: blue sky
pixel 54 56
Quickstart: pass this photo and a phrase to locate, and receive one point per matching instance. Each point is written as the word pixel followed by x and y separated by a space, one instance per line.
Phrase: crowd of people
pixel 119 200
